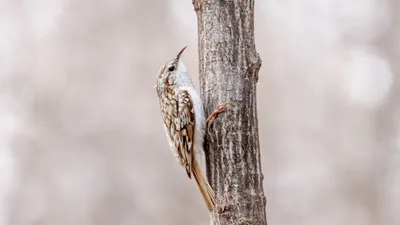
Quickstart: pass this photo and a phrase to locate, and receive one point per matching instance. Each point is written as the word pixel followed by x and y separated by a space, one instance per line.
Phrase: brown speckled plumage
pixel 179 121
pixel 183 117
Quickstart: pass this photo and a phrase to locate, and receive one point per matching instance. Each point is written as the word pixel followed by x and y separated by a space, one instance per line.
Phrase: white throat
pixel 183 78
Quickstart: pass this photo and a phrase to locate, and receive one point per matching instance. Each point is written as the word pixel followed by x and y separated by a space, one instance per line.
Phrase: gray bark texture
pixel 229 66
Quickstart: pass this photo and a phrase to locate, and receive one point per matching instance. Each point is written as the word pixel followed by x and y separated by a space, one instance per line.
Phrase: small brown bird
pixel 184 122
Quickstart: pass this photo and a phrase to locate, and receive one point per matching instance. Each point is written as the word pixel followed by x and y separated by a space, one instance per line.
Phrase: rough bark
pixel 229 65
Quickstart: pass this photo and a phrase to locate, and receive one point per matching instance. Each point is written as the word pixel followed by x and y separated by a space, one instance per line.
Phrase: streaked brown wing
pixel 179 120
pixel 185 125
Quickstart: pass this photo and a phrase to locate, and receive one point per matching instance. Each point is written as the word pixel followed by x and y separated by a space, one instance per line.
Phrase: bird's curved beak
pixel 180 53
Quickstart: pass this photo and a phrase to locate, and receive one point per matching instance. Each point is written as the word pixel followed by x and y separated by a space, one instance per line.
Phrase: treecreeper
pixel 184 122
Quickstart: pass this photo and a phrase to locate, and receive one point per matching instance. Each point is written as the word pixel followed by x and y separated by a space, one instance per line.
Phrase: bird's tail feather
pixel 205 188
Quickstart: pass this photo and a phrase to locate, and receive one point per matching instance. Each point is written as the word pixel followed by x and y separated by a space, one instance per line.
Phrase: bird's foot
pixel 220 109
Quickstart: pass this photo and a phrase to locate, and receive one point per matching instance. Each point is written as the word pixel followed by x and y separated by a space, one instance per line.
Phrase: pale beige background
pixel 81 138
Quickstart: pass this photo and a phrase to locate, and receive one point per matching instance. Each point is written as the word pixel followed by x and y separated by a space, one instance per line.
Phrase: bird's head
pixel 172 71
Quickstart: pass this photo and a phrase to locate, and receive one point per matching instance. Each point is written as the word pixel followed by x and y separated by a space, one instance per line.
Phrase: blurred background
pixel 81 137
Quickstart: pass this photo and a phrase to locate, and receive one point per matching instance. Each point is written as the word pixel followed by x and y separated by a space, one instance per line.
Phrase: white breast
pixel 184 82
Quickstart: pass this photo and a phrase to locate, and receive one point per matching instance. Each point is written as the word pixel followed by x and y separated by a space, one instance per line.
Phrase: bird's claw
pixel 220 109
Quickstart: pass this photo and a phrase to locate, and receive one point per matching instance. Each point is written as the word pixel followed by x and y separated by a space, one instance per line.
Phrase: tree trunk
pixel 229 66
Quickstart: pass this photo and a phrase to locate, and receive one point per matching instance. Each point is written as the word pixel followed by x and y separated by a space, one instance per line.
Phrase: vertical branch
pixel 229 66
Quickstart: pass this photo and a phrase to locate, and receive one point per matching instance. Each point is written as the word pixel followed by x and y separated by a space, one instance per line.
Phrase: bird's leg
pixel 220 109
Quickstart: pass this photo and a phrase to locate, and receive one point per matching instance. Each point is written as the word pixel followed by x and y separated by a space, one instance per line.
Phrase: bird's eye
pixel 171 68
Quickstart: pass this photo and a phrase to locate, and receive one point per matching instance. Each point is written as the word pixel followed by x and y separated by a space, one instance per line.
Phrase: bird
pixel 184 122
